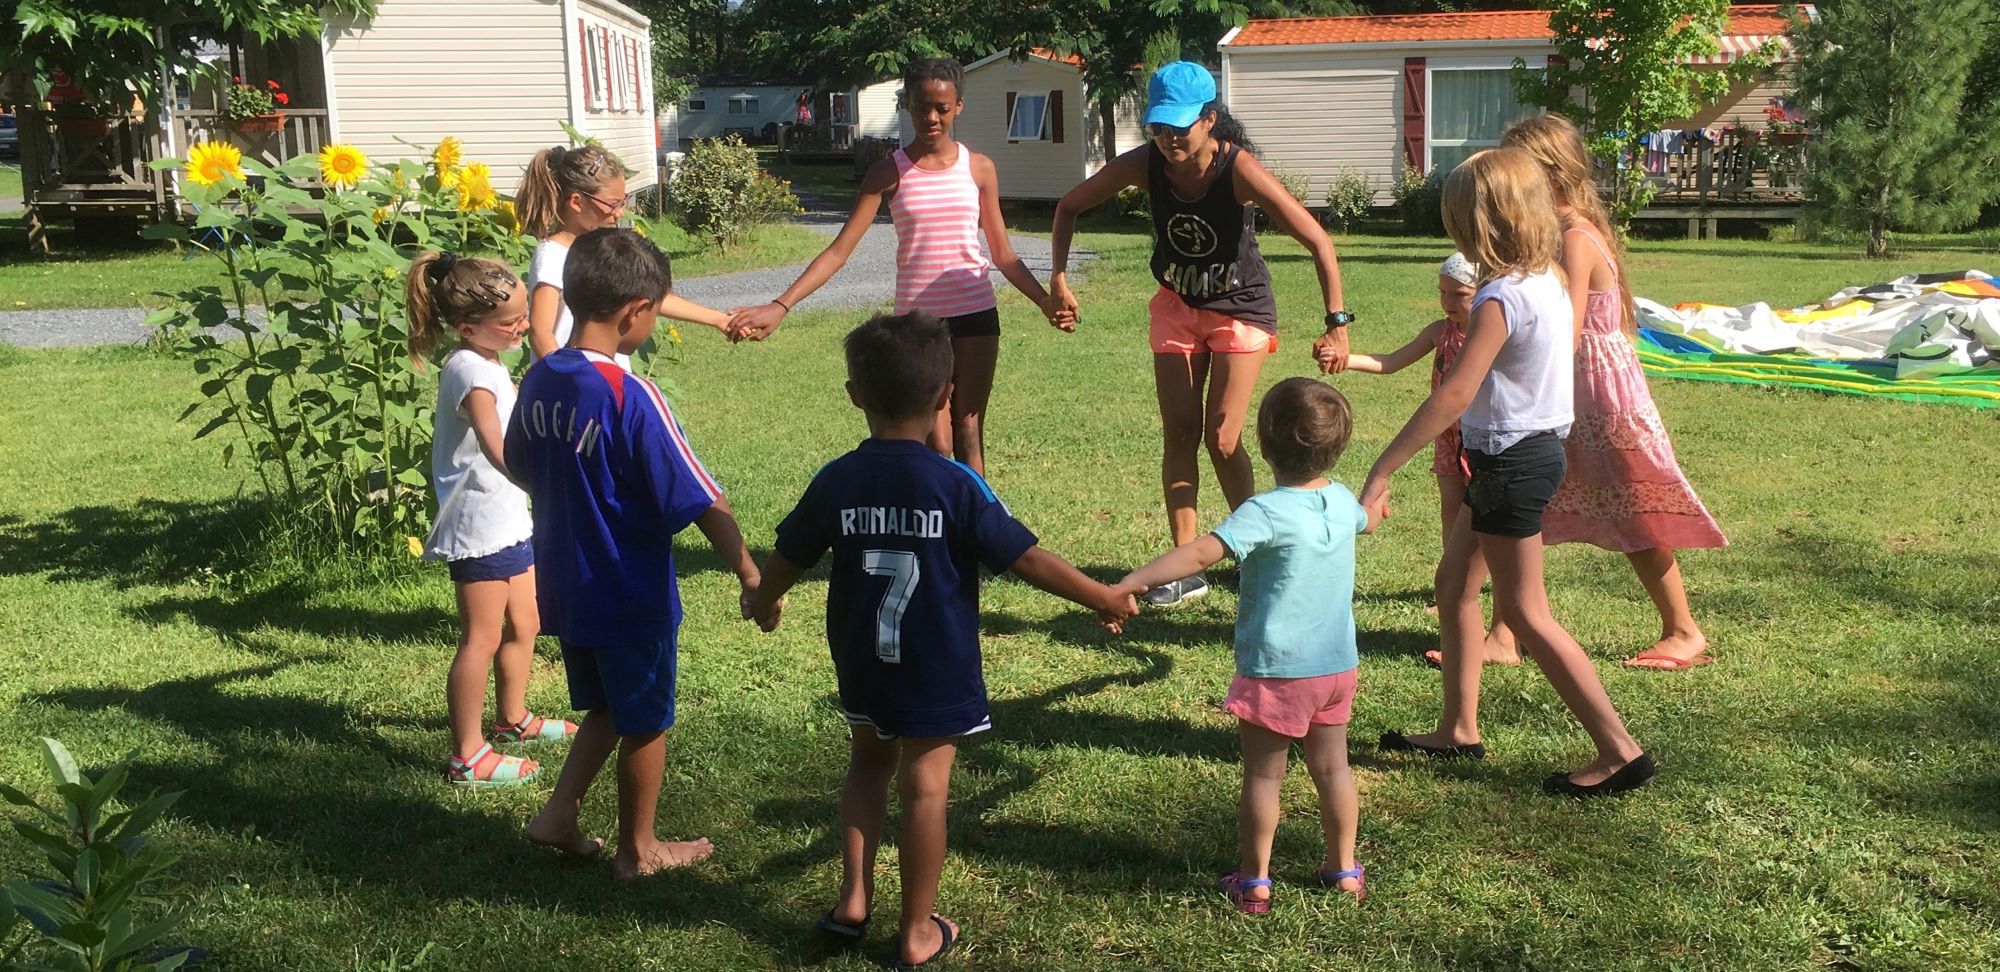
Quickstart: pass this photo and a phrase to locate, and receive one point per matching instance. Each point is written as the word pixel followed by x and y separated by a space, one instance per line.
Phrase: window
pixel 697 104
pixel 1469 107
pixel 1028 117
pixel 743 105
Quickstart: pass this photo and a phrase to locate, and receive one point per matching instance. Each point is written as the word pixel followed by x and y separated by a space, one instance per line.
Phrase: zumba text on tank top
pixel 1206 250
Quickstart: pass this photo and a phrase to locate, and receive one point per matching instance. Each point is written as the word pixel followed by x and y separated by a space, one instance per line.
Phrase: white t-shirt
pixel 547 268
pixel 1531 385
pixel 480 511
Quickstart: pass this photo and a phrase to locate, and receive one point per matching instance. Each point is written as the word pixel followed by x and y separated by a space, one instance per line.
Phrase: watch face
pixel 1339 319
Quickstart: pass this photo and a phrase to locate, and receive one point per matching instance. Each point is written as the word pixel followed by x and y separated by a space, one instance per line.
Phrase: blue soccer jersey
pixel 908 530
pixel 612 479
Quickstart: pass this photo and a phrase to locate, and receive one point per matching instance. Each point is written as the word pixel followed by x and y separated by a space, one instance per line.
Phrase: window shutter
pixel 603 74
pixel 638 86
pixel 1008 124
pixel 583 64
pixel 1055 117
pixel 1414 124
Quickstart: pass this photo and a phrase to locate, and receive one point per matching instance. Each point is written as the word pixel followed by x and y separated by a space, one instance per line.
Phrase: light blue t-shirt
pixel 1295 613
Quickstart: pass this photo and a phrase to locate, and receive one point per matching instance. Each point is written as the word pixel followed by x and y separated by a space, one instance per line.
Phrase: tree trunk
pixel 1878 238
pixel 1107 116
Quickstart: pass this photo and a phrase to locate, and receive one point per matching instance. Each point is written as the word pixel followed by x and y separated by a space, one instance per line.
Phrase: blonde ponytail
pixel 444 291
pixel 552 175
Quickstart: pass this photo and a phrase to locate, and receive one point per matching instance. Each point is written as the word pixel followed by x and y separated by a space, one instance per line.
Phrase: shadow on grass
pixel 147 542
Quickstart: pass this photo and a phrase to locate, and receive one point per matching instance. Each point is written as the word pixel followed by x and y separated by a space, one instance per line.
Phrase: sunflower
pixel 475 187
pixel 211 162
pixel 506 217
pixel 341 165
pixel 380 215
pixel 446 156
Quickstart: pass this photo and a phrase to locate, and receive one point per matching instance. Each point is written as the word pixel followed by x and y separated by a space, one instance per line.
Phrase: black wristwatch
pixel 1339 318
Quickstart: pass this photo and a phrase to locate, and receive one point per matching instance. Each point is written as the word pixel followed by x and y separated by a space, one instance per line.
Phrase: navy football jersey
pixel 909 530
pixel 612 479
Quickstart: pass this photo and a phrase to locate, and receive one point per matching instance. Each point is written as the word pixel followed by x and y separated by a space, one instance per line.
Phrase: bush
pixel 1420 201
pixel 721 191
pixel 1299 184
pixel 1134 201
pixel 100 860
pixel 1348 199
pixel 315 383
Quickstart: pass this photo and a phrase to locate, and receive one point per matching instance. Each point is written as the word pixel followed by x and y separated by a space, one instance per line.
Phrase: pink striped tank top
pixel 940 267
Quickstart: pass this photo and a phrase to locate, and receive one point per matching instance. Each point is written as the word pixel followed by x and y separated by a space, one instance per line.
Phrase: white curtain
pixel 1468 111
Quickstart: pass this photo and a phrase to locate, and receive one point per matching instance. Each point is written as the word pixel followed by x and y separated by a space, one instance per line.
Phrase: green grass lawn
pixel 88 275
pixel 1828 800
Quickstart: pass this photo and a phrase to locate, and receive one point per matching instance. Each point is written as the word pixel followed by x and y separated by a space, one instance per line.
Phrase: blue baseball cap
pixel 1177 93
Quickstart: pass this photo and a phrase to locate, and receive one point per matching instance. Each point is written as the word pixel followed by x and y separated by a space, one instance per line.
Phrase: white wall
pixel 491 72
pixel 1027 170
pixel 877 114
pixel 1127 126
pixel 624 124
pixel 775 103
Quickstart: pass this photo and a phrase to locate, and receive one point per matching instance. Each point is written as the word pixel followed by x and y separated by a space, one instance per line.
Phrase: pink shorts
pixel 1177 328
pixel 1290 706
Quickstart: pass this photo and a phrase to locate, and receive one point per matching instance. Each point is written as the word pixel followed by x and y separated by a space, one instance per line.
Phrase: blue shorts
pixel 500 565
pixel 636 682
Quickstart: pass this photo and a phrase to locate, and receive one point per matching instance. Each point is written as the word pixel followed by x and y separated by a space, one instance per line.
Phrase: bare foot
pixel 563 836
pixel 927 942
pixel 1432 610
pixel 660 855
pixel 1681 648
pixel 1501 647
pixel 1330 867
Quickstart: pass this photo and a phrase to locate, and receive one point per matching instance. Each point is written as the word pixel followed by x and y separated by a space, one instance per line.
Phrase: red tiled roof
pixel 1070 59
pixel 1488 25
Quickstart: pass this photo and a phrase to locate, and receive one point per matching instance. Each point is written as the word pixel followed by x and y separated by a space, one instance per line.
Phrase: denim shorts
pixel 1508 492
pixel 500 565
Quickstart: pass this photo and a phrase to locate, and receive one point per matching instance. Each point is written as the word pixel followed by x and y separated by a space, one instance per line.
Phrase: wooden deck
pixel 1740 175
pixel 70 170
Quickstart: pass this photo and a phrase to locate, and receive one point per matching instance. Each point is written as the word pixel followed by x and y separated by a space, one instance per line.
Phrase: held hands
pixel 1063 301
pixel 1375 500
pixel 752 608
pixel 1121 605
pixel 754 323
pixel 1330 351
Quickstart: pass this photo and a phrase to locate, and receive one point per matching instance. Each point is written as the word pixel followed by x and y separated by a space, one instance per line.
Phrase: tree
pixel 1632 60
pixel 117 49
pixel 1887 82
pixel 688 37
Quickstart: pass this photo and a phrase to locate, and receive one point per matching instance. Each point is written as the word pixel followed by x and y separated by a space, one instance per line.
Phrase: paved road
pixel 868 280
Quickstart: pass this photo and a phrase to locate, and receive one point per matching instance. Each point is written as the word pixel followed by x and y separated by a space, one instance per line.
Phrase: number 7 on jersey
pixel 900 566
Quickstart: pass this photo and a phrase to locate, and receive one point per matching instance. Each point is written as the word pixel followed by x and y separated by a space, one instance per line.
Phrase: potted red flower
pixel 254 110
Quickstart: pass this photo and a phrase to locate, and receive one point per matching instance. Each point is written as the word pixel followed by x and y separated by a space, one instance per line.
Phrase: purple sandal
pixel 1234 885
pixel 1332 879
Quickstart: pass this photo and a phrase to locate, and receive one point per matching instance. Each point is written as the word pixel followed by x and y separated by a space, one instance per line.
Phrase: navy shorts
pixel 1508 492
pixel 499 565
pixel 984 323
pixel 636 682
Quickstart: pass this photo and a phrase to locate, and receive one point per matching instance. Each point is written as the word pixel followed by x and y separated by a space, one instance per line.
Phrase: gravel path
pixel 868 280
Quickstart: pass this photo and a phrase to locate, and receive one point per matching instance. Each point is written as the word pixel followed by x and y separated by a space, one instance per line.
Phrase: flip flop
pixel 1673 664
pixel 834 926
pixel 950 939
pixel 1332 879
pixel 1234 885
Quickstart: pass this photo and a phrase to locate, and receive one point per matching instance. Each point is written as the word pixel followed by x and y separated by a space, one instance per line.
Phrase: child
pixel 1295 655
pixel 1511 386
pixel 613 479
pixel 566 193
pixel 482 522
pixel 909 531
pixel 1625 491
pixel 1214 319
pixel 942 196
pixel 1457 279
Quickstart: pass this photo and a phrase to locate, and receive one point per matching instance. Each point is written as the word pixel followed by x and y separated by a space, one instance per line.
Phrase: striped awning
pixel 1735 46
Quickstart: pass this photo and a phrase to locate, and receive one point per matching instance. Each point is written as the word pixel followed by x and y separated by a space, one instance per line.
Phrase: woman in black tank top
pixel 1214 319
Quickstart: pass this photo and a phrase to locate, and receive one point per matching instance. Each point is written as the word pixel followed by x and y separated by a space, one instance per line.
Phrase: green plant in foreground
pixel 99 859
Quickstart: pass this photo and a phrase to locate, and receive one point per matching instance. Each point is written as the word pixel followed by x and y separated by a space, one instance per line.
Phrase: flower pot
pixel 1788 138
pixel 84 128
pixel 261 124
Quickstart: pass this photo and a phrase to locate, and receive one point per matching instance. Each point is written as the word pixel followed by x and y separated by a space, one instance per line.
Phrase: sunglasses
pixel 1162 130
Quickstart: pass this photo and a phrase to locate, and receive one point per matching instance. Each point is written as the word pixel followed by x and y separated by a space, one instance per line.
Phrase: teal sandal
pixel 533 730
pixel 503 771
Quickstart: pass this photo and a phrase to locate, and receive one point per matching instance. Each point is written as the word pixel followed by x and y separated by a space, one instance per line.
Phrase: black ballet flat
pixel 1631 776
pixel 1396 742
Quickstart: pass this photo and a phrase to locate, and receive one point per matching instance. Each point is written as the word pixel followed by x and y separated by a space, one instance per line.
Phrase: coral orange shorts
pixel 1179 329
pixel 1292 706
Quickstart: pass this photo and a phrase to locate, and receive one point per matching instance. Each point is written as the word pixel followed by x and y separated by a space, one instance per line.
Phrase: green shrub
pixel 721 191
pixel 1348 199
pixel 317 387
pixel 1299 184
pixel 1134 201
pixel 80 911
pixel 1420 201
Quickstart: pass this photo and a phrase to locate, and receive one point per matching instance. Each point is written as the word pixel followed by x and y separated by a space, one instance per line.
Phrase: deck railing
pixel 305 131
pixel 1733 168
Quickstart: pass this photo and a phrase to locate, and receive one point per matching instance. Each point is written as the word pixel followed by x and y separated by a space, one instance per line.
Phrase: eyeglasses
pixel 614 205
pixel 1162 130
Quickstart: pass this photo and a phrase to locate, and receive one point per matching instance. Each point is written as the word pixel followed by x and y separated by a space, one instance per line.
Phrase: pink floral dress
pixel 1624 490
pixel 1447 453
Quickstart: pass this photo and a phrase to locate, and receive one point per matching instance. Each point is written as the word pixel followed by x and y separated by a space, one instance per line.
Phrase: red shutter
pixel 1055 117
pixel 1413 111
pixel 604 46
pixel 583 65
pixel 1007 124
